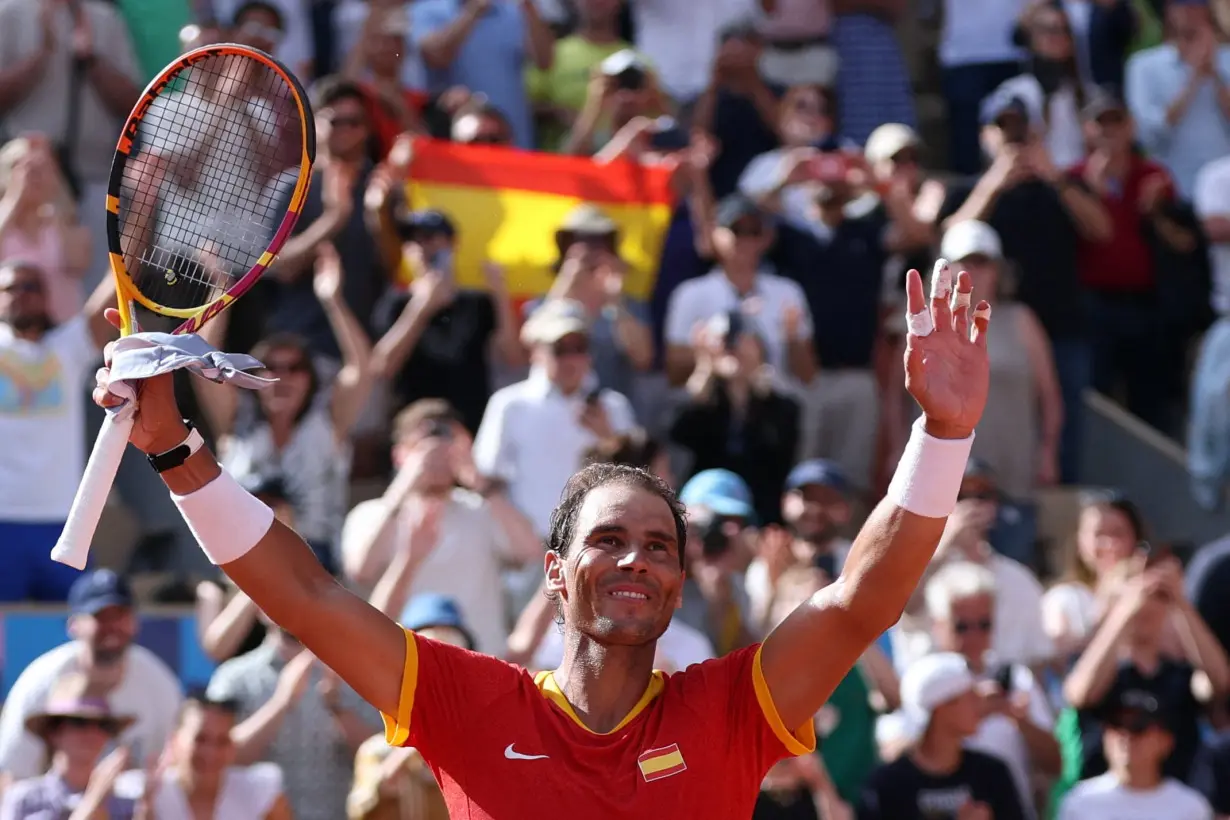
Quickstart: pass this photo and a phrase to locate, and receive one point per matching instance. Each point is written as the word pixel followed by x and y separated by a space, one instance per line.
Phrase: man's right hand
pixel 158 425
pixel 294 678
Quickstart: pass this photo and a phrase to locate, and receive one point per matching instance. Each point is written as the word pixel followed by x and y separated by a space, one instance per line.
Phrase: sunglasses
pixel 965 627
pixel 260 31
pixel 749 230
pixel 105 724
pixel 287 367
pixel 22 287
pixel 574 348
pixel 488 139
pixel 339 121
pixel 907 157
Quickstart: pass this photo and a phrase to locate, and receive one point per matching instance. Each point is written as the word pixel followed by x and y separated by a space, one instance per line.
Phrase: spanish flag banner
pixel 656 764
pixel 507 205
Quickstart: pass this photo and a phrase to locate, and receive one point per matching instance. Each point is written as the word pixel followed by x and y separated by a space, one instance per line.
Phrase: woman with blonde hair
pixel 38 222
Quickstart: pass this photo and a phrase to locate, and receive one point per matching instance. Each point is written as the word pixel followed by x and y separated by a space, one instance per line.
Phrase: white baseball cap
pixel 970 238
pixel 888 140
pixel 930 682
pixel 553 320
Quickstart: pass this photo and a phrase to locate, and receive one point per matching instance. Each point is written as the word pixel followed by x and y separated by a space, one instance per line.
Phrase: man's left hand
pixel 946 366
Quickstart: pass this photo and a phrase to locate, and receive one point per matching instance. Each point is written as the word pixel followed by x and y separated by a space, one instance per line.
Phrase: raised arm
pixel 268 561
pixel 947 373
pixel 354 381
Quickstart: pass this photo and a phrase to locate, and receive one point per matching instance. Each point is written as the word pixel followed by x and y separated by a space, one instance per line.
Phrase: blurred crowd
pixel 420 431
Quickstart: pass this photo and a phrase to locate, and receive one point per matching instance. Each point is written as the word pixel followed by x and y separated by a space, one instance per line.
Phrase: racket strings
pixel 201 199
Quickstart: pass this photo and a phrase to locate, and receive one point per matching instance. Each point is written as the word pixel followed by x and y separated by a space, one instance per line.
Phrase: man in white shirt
pixel 460 536
pixel 773 305
pixel 103 625
pixel 1136 741
pixel 42 421
pixel 1212 203
pixel 535 433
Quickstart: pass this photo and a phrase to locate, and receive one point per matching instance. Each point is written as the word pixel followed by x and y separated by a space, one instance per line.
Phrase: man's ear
pixel 553 567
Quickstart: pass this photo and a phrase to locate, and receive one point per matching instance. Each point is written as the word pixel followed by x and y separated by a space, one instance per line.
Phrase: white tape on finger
pixel 961 299
pixel 983 312
pixel 941 280
pixel 921 323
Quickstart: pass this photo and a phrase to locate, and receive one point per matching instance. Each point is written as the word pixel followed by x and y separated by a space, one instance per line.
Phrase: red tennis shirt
pixel 505 745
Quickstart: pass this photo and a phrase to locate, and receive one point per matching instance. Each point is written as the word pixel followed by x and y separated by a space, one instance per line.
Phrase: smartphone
pixel 440 429
pixel 830 167
pixel 593 396
pixel 1003 677
pixel 1157 555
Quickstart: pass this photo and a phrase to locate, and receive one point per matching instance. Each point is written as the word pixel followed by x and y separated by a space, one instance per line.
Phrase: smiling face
pixel 620 577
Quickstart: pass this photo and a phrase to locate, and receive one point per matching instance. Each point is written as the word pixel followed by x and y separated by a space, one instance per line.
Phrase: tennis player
pixel 604 735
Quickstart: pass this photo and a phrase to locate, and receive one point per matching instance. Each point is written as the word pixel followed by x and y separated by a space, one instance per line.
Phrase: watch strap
pixel 177 455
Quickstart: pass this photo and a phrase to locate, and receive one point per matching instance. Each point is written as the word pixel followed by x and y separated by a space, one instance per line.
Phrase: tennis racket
pixel 196 212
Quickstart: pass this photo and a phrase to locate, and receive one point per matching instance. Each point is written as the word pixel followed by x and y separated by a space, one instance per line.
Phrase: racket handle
pixel 73 548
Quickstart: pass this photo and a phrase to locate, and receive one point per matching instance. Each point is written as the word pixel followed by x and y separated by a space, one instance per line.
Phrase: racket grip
pixel 73 548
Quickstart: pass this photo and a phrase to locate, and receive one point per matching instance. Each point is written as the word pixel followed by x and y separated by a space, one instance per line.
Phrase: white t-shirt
pixel 531 437
pixel 979 31
pixel 1071 607
pixel 680 38
pixel 348 19
pixel 149 692
pixel 464 565
pixel 679 647
pixel 246 793
pixel 698 300
pixel 999 736
pixel 42 419
pixel 1103 798
pixel 1212 198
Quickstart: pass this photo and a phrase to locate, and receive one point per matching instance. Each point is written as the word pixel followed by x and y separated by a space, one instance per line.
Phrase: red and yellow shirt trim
pixel 799 742
pixel 397 728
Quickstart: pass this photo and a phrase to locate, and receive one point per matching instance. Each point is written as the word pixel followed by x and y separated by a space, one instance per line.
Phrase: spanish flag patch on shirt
pixel 659 763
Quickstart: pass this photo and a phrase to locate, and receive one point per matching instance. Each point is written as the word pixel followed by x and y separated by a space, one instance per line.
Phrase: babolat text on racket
pixel 197 210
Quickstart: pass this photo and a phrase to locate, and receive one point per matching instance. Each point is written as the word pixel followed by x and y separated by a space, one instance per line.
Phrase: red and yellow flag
pixel 507 205
pixel 656 764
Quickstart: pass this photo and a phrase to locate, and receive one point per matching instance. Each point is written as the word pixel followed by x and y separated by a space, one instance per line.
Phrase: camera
pixel 440 429
pixel 626 68
pixel 714 533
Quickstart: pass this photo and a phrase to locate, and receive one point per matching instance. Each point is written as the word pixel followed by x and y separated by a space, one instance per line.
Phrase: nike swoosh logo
pixel 512 754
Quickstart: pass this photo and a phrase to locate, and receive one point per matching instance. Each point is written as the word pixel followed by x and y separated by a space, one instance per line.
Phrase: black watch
pixel 177 455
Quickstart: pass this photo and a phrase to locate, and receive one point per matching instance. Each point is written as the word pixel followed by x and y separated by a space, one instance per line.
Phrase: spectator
pixel 42 407
pixel 442 340
pixel 799 788
pixel 389 71
pixel 845 246
pixel 1109 532
pixel 591 272
pixel 1126 653
pixel 535 432
pixel 873 84
pixel 260 25
pixel 70 73
pixel 76 726
pixel 484 46
pixel 297 715
pixel 939 776
pixel 1017 635
pixel 1024 196
pixel 200 779
pixel 1137 742
pixel 295 429
pixel 332 214
pixel 797 43
pixel 621 100
pixel 1211 771
pixel 559 94
pixel 1014 530
pixel 1052 83
pixel 634 449
pixel 38 223
pixel 1120 273
pixel 1209 431
pixel 1178 94
pixel 292 45
pixel 1207 577
pixel 683 40
pixel 734 418
pixel 1017 721
pixel 478 122
pixel 1028 396
pixel 102 624
pixel 784 179
pixel 1104 32
pixel 737 107
pixel 394 783
pixel 816 509
pixel 773 305
pixel 438 527
pixel 976 54
pixel 720 513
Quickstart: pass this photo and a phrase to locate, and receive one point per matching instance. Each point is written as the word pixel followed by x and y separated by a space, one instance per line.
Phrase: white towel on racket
pixel 145 355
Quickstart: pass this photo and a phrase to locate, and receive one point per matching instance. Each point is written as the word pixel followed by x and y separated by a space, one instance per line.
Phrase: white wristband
pixel 929 475
pixel 226 520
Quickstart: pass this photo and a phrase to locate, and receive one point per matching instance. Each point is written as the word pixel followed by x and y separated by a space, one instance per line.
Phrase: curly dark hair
pixel 564 516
